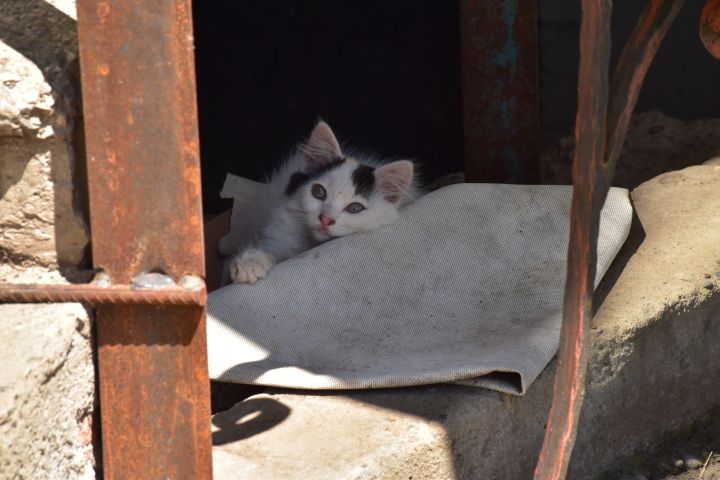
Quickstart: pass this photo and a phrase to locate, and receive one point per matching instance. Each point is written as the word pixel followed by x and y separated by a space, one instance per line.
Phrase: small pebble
pixel 708 284
pixel 678 463
pixel 692 462
pixel 707 275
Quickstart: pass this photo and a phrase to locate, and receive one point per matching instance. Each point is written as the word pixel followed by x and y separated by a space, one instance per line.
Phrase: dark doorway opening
pixel 385 75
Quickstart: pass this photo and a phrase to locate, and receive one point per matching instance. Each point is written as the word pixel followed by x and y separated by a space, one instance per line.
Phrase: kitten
pixel 321 194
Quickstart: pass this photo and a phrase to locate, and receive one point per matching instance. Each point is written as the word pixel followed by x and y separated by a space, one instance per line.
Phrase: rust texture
pixel 500 90
pixel 601 124
pixel 587 199
pixel 95 295
pixel 635 60
pixel 138 86
pixel 710 27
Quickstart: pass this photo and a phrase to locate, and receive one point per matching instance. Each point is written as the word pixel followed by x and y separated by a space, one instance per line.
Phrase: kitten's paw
pixel 252 265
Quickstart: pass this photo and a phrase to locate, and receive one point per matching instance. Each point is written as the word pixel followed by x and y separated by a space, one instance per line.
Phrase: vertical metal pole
pixel 588 197
pixel 500 90
pixel 143 168
pixel 603 117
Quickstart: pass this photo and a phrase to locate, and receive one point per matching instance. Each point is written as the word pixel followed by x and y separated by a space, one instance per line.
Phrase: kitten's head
pixel 337 195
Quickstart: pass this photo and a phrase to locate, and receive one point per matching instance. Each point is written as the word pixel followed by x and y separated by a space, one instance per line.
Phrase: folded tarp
pixel 466 286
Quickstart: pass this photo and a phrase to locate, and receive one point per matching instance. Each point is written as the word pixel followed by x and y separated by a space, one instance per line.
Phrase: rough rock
pixel 26 101
pixel 650 353
pixel 47 380
pixel 46 392
pixel 692 462
pixel 38 66
pixel 42 219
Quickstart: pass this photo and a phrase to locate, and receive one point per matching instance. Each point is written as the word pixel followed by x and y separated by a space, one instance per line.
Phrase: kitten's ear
pixel 394 179
pixel 321 148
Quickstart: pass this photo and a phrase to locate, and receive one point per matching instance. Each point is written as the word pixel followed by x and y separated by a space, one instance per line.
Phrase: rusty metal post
pixel 588 197
pixel 144 184
pixel 602 121
pixel 710 27
pixel 500 90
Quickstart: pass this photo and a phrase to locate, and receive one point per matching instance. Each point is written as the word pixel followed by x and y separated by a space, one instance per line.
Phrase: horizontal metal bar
pixel 102 295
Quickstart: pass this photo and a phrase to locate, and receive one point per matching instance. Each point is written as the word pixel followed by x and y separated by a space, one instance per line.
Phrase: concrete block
pixel 352 448
pixel 46 392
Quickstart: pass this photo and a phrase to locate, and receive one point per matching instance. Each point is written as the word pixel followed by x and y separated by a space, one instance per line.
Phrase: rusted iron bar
pixel 96 295
pixel 601 125
pixel 500 90
pixel 587 199
pixel 710 27
pixel 637 55
pixel 138 85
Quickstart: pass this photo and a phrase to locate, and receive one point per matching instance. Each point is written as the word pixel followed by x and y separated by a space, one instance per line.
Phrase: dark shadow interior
pixel 384 75
pixel 387 77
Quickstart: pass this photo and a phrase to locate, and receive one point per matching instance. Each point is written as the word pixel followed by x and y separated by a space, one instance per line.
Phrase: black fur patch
pixel 326 167
pixel 364 179
pixel 298 179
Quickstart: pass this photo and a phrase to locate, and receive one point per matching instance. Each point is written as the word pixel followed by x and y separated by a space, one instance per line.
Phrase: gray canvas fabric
pixel 466 287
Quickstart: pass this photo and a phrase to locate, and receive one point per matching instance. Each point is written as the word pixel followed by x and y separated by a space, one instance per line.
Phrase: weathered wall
pixel 40 222
pixel 47 380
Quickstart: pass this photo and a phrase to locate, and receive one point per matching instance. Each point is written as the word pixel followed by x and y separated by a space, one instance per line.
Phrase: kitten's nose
pixel 326 221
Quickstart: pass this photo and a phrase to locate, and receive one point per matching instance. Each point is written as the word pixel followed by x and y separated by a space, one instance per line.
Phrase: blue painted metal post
pixel 500 90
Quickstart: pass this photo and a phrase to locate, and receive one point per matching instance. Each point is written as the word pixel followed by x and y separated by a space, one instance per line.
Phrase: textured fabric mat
pixel 466 287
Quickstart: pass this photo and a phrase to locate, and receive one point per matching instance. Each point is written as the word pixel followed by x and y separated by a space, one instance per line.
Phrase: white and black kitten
pixel 322 193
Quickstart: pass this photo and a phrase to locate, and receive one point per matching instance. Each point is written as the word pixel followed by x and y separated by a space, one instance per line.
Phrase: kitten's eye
pixel 318 191
pixel 355 207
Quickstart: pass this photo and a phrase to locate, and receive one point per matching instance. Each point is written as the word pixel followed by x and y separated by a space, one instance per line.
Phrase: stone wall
pixel 47 383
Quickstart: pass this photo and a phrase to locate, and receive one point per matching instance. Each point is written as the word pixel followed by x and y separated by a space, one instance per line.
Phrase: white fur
pixel 294 224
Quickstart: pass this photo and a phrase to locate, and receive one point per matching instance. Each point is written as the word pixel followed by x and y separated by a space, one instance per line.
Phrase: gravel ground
pixel 680 456
pixel 712 472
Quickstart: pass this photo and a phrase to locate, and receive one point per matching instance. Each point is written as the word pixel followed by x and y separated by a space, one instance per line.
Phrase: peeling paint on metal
pixel 500 90
pixel 508 54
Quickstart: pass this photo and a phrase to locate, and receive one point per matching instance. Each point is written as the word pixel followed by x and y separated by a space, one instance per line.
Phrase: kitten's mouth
pixel 324 232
